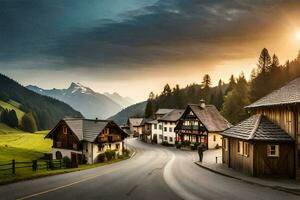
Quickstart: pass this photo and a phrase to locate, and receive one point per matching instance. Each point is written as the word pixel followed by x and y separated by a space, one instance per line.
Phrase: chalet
pixel 161 112
pixel 270 154
pixel 202 124
pixel 135 126
pixel 85 139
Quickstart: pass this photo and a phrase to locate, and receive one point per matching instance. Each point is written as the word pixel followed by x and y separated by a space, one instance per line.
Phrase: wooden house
pixel 202 124
pixel 282 108
pixel 85 139
pixel 258 147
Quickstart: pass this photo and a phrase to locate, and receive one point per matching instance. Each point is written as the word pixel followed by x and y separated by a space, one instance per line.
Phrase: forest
pixel 230 98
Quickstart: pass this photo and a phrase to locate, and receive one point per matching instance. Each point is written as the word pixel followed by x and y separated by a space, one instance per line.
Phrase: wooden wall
pixel 282 166
pixel 67 140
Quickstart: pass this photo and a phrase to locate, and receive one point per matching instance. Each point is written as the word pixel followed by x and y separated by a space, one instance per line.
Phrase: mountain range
pixel 90 103
pixel 47 111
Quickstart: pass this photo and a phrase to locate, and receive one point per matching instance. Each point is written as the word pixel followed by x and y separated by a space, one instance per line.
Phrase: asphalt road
pixel 155 172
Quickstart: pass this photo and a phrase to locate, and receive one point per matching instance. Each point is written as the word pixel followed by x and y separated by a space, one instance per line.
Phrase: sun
pixel 297 35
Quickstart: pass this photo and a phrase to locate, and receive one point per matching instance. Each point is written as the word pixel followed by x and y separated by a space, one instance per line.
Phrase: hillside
pixel 12 105
pixel 90 103
pixel 124 102
pixel 47 111
pixel 136 110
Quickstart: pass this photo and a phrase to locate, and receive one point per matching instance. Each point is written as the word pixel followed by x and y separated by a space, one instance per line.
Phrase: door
pixel 74 160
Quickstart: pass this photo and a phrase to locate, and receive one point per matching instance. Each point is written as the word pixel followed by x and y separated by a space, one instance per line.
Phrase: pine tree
pixel 167 90
pixel 236 100
pixel 206 83
pixel 13 119
pixel 149 111
pixel 28 123
pixel 231 84
pixel 264 61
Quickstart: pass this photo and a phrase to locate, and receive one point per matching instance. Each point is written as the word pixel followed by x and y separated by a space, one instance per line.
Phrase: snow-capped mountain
pixel 90 103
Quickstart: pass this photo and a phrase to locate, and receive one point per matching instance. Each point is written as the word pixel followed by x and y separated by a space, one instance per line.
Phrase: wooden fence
pixel 34 165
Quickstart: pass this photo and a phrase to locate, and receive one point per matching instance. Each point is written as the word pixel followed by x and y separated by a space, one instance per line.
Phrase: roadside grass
pixel 27 173
pixel 13 105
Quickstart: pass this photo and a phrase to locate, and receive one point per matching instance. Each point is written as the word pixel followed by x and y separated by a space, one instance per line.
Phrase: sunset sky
pixel 136 46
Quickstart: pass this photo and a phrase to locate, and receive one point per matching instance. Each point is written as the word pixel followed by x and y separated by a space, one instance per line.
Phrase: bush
pixel 185 143
pixel 178 146
pixel 126 152
pixel 101 157
pixel 28 123
pixel 67 162
pixel 110 155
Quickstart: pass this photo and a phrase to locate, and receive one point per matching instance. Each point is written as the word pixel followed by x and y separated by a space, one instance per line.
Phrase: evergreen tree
pixel 231 84
pixel 28 123
pixel 236 100
pixel 264 61
pixel 167 90
pixel 206 83
pixel 149 111
pixel 13 119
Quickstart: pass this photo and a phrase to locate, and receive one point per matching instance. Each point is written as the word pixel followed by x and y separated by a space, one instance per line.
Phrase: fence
pixel 34 165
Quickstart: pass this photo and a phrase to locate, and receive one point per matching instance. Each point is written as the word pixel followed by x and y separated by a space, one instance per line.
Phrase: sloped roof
pixel 136 121
pixel 210 117
pixel 86 129
pixel 288 94
pixel 163 111
pixel 257 127
pixel 172 116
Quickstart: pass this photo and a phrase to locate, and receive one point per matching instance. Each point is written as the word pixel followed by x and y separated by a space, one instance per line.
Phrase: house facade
pixel 203 124
pixel 282 108
pixel 84 139
pixel 135 126
pixel 258 147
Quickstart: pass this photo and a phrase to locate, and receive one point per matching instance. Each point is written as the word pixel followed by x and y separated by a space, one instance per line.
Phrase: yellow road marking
pixel 63 186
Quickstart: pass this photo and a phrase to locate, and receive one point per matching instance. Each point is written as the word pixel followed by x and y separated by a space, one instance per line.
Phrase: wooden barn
pixel 259 147
pixel 281 108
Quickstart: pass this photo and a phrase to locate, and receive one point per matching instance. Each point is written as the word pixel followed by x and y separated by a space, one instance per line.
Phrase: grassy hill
pixel 13 105
pixel 22 146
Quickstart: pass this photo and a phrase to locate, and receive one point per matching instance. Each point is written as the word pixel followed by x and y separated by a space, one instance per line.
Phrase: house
pixel 258 147
pixel 202 124
pixel 166 126
pixel 85 139
pixel 161 112
pixel 147 130
pixel 135 126
pixel 275 144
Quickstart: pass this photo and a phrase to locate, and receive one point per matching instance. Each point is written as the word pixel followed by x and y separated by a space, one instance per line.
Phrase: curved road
pixel 155 172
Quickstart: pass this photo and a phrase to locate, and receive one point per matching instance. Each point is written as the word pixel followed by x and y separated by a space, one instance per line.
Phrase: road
pixel 155 172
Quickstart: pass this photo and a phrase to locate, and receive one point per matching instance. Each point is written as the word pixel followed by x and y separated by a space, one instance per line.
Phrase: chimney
pixel 202 103
pixel 96 119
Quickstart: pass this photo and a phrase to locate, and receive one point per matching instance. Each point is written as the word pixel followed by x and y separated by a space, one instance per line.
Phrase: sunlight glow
pixel 297 34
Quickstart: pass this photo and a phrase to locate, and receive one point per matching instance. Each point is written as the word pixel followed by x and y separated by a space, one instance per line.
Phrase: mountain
pixel 91 104
pixel 136 110
pixel 47 111
pixel 123 101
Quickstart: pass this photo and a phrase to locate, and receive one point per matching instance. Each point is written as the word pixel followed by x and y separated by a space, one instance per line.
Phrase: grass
pixel 13 105
pixel 22 146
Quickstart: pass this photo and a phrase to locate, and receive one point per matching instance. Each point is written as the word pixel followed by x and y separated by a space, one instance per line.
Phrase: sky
pixel 134 47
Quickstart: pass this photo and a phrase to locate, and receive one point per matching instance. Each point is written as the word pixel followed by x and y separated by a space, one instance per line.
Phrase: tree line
pixel 230 98
pixel 10 118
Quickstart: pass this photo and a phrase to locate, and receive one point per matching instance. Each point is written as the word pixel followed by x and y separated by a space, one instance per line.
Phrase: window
pixel 58 155
pixel 170 129
pixel 166 138
pixel 273 150
pixel 165 129
pixel 246 149
pixel 65 130
pixel 170 139
pixel 58 144
pixel 214 138
pixel 117 146
pixel 86 147
pixel 100 148
pixel 160 136
pixel 240 147
pixel 160 127
pixel 109 146
pixel 155 126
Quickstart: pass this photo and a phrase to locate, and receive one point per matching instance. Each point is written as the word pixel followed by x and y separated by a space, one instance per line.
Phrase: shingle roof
pixel 136 121
pixel 172 116
pixel 288 94
pixel 259 128
pixel 163 111
pixel 86 129
pixel 210 117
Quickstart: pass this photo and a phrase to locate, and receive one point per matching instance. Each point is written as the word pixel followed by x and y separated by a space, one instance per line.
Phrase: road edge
pixel 283 189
